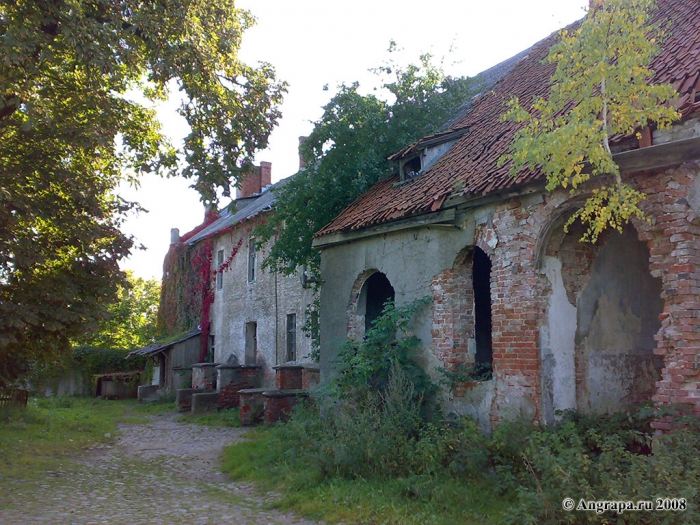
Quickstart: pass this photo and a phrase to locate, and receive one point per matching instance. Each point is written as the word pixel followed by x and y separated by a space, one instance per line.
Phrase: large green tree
pixel 601 89
pixel 131 320
pixel 347 151
pixel 71 132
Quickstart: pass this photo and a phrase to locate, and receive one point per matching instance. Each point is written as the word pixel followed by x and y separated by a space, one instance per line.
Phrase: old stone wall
pixel 267 300
pixel 574 326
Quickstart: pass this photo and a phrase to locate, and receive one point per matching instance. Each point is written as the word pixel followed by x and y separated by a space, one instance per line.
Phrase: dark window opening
pixel 481 278
pixel 210 350
pixel 410 168
pixel 291 337
pixel 251 343
pixel 219 275
pixel 378 292
pixel 251 261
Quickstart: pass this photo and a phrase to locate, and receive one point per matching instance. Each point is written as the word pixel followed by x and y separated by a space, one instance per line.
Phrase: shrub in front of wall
pixel 608 458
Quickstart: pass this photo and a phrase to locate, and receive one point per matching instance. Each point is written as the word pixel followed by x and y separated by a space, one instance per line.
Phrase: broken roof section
pixel 470 167
pixel 246 208
pixel 156 348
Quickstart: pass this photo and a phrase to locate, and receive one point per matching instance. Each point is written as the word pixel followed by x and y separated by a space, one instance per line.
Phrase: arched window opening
pixel 377 290
pixel 481 279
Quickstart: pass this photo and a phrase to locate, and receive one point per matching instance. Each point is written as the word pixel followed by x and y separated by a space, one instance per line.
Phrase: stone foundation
pixel 252 404
pixel 280 403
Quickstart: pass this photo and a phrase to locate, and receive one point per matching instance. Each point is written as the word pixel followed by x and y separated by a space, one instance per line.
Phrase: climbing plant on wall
pixel 188 286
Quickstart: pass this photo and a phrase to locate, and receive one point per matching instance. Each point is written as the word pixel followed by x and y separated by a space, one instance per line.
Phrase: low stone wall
pixel 280 403
pixel 183 398
pixel 204 402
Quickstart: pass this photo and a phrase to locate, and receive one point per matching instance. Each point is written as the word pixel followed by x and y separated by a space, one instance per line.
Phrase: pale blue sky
pixel 312 43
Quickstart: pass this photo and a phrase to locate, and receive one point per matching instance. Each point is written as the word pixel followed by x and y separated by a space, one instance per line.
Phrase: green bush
pixel 364 366
pixel 88 361
pixel 607 458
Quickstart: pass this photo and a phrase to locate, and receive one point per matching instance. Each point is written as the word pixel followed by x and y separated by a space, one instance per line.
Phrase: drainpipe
pixel 276 323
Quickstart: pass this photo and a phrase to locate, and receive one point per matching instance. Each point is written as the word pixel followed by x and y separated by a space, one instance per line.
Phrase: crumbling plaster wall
pixel 409 259
pixel 267 301
pixel 540 299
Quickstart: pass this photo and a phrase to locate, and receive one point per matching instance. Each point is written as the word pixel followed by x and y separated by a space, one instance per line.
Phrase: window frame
pixel 291 337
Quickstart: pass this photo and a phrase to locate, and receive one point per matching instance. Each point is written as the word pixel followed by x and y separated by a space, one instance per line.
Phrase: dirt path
pixel 161 472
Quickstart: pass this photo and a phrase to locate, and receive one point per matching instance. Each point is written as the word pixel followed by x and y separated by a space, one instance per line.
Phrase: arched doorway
pixel 376 291
pixel 597 342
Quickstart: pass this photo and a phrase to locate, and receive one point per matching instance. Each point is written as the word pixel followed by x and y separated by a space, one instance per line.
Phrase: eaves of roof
pixel 162 347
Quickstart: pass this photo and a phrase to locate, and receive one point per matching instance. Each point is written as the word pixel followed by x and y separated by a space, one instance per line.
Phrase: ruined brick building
pixel 564 325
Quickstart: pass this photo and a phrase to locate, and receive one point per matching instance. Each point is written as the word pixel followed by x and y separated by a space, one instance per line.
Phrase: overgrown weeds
pixel 373 454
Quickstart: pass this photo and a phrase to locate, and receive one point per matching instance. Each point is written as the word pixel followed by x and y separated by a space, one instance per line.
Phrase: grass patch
pixel 37 438
pixel 214 418
pixel 439 500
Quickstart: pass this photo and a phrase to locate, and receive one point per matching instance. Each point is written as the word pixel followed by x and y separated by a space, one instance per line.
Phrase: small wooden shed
pixel 171 355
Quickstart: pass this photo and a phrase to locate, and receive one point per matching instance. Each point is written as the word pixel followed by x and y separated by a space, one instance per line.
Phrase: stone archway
pixel 370 293
pixel 597 339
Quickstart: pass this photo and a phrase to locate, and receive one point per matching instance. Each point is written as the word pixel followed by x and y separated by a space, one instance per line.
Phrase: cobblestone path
pixel 163 472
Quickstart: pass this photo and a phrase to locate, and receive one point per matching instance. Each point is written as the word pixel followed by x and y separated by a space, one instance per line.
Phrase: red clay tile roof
pixel 470 166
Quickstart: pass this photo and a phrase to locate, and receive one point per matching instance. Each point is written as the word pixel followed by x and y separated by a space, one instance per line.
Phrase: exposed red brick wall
pixel 453 313
pixel 256 180
pixel 288 378
pixel 516 303
pixel 673 238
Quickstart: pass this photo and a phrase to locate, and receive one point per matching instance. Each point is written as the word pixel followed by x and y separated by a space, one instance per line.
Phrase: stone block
pixel 310 376
pixel 147 393
pixel 280 403
pixel 204 376
pixel 183 398
pixel 252 405
pixel 204 401
pixel 288 377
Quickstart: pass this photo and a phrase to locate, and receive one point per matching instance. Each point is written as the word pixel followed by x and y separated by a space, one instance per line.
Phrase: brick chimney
pixel 255 181
pixel 302 164
pixel 265 174
pixel 211 213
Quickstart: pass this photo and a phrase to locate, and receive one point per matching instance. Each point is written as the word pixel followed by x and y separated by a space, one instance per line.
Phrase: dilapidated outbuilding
pixel 172 359
pixel 563 324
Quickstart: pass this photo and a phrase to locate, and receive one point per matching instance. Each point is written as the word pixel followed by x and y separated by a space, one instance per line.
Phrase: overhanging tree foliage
pixel 132 318
pixel 601 88
pixel 348 149
pixel 70 132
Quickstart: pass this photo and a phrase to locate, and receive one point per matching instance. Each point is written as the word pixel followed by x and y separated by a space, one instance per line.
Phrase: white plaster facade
pixel 268 301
